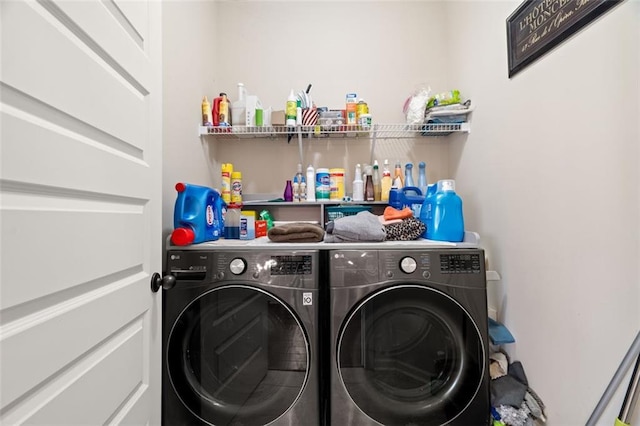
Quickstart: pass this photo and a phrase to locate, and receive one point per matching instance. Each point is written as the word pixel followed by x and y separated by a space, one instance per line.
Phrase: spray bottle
pixel 358 185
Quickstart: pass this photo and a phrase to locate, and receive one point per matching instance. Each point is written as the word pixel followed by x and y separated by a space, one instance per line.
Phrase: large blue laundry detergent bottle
pixel 446 222
pixel 197 215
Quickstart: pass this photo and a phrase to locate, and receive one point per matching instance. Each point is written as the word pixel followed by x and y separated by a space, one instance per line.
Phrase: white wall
pixel 189 60
pixel 549 173
pixel 549 176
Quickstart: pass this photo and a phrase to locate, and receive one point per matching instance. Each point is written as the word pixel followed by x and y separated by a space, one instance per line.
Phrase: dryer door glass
pixel 410 355
pixel 238 356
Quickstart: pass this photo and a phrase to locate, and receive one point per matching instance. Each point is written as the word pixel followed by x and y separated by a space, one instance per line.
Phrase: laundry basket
pixel 336 212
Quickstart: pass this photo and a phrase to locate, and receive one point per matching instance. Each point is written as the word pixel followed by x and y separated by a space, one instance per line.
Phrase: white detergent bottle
pixel 311 183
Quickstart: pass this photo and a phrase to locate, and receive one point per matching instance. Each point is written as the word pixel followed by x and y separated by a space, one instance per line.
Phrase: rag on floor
pixel 296 232
pixel 362 227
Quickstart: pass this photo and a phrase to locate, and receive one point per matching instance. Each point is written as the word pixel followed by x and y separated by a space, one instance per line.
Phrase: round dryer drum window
pixel 410 355
pixel 238 355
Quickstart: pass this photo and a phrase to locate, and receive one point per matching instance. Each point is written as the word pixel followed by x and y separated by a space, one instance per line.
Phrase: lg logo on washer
pixel 307 299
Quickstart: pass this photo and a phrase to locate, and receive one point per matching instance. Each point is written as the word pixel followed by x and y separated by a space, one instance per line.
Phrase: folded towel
pixel 364 226
pixel 296 232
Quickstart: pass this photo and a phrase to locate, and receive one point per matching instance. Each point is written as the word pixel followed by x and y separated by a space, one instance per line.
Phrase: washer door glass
pixel 410 355
pixel 238 355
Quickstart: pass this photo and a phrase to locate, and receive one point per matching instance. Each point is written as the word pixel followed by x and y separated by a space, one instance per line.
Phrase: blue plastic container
pixel 426 212
pixel 197 215
pixel 408 196
pixel 444 217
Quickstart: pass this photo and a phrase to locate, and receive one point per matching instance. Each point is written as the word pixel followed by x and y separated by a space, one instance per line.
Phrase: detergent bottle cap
pixel 182 236
pixel 446 185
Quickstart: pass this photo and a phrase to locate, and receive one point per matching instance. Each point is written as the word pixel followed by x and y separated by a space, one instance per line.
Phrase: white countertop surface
pixel 471 240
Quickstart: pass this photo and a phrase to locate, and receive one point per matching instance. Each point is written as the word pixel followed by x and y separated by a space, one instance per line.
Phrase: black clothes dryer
pixel 240 338
pixel 409 337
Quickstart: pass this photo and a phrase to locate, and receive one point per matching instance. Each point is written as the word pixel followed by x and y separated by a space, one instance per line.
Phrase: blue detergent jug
pixel 444 217
pixel 426 212
pixel 408 196
pixel 197 215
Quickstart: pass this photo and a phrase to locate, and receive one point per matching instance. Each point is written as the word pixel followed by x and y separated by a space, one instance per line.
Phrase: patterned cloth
pixel 407 230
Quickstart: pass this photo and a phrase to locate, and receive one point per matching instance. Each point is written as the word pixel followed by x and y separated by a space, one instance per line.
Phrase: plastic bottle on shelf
pixel 236 187
pixel 288 191
pixel 358 185
pixel 297 182
pixel 369 190
pixel 398 178
pixel 422 177
pixel 303 189
pixel 207 120
pixel 223 118
pixel 227 169
pixel 239 107
pixel 311 185
pixel 351 108
pixel 290 110
pixel 298 112
pixel 385 182
pixel 408 175
pixel 377 190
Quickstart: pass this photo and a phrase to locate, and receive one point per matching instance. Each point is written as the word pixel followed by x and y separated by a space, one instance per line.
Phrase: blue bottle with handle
pixel 197 215
pixel 445 221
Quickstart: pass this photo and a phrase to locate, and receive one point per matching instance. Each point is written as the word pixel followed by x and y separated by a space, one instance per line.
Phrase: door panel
pixel 80 176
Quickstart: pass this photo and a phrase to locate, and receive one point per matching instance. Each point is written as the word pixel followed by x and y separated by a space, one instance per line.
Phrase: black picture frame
pixel 537 26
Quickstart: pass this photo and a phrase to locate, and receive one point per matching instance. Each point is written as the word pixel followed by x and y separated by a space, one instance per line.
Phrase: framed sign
pixel 537 26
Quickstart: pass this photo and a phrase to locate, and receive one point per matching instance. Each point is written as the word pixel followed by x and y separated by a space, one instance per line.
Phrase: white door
pixel 80 188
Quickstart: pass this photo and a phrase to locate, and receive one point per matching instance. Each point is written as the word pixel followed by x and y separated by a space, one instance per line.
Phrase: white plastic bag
pixel 415 106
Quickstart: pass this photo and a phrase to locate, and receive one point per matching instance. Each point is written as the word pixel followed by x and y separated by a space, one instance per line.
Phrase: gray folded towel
pixel 364 226
pixel 297 232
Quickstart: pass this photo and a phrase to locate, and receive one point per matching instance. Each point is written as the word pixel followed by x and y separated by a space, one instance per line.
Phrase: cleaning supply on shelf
pixel 408 175
pixel 227 169
pixel 290 110
pixel 351 108
pixel 336 184
pixel 239 108
pixel 298 112
pixel 221 110
pixel 288 191
pixel 236 187
pixel 197 215
pixel 369 190
pixel 207 120
pixel 422 177
pixel 358 185
pixel 385 182
pixel 398 177
pixel 311 183
pixel 297 184
pixel 447 222
pixel 377 189
pixel 247 225
pixel 361 109
pixel 232 222
pixel 323 187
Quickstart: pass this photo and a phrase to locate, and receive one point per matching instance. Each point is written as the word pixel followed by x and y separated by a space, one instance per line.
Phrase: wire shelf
pixel 381 131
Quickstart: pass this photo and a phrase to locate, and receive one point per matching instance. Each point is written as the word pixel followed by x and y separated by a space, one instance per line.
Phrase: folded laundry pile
pixel 363 226
pixel 513 402
pixel 393 225
pixel 296 232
